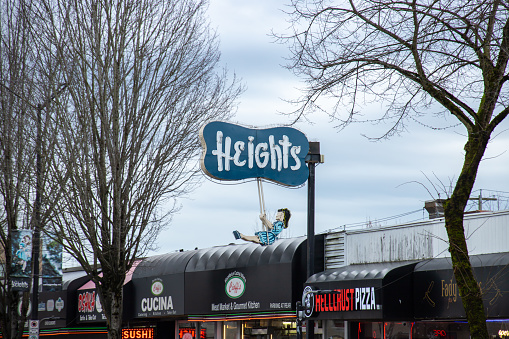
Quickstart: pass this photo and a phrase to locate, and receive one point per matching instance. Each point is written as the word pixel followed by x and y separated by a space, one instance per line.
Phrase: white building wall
pixel 486 232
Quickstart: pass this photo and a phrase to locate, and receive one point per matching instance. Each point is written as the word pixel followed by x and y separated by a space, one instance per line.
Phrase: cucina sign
pixel 163 303
pixel 233 152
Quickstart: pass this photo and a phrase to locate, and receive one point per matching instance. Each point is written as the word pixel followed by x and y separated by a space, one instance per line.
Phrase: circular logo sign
pixel 308 301
pixel 235 287
pixel 157 287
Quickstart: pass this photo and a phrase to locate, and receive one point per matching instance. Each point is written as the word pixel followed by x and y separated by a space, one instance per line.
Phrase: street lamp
pixel 312 158
pixel 38 192
pixel 36 238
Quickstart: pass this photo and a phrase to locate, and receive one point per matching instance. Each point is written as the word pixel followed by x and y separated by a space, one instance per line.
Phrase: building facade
pixel 386 282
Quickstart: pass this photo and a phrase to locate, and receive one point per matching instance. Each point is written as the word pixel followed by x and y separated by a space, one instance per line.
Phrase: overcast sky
pixel 360 182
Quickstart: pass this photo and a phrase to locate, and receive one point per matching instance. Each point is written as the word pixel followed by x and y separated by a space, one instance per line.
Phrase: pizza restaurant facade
pixel 415 300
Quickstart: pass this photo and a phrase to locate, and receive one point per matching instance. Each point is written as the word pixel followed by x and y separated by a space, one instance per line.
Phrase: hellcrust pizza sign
pixel 233 152
pixel 341 300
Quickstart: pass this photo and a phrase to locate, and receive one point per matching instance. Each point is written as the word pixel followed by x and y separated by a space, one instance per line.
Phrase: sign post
pixel 33 332
pixel 279 154
pixel 312 159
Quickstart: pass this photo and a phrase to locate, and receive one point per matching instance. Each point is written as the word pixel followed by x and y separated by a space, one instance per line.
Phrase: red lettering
pixel 320 303
pixel 345 300
pixel 335 304
pixel 352 293
pixel 234 287
pixel 86 302
pixel 439 333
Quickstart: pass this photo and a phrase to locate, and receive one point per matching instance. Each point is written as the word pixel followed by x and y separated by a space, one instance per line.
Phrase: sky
pixel 361 182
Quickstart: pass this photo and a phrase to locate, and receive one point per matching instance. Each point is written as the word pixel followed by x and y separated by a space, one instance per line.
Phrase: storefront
pixel 158 298
pixel 362 301
pixel 57 311
pixel 234 291
pixel 437 305
pixel 88 318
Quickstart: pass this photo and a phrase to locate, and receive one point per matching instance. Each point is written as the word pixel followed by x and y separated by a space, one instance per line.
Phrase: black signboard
pixel 348 300
pixel 380 291
pixel 90 309
pixel 436 291
pixel 266 288
pixel 52 309
pixel 159 296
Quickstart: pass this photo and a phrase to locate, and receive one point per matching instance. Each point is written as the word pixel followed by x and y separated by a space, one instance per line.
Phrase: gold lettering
pixel 450 290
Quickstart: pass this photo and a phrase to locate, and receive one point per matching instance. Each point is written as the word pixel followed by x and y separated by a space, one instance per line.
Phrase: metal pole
pixel 311 221
pixel 37 217
pixel 36 238
pixel 310 325
pixel 312 158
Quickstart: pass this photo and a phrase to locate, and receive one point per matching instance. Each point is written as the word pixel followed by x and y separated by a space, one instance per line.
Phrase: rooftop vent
pixel 435 208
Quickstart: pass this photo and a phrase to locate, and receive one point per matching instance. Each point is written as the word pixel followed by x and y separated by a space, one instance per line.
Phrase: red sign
pixel 86 302
pixel 439 333
pixel 137 333
pixel 191 332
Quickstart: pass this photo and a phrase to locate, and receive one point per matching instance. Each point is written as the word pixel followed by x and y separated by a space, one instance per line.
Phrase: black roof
pixel 482 260
pixel 357 272
pixel 219 257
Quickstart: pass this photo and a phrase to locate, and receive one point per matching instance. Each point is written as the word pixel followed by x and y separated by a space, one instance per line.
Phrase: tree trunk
pixel 470 291
pixel 114 310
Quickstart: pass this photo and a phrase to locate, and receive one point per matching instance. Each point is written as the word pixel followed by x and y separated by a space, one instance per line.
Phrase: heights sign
pixel 232 152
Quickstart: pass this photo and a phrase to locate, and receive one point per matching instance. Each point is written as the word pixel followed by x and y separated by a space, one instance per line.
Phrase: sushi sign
pixel 232 152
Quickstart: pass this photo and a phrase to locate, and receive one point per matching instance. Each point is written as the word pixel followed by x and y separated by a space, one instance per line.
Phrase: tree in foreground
pixel 414 56
pixel 142 77
pixel 22 96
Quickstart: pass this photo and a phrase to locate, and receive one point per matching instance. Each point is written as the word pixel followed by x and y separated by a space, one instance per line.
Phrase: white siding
pixel 486 232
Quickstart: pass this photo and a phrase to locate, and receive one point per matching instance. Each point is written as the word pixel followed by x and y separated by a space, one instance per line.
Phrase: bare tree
pixel 142 78
pixel 17 166
pixel 414 56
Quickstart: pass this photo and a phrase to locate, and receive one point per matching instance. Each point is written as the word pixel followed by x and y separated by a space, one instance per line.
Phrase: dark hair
pixel 286 217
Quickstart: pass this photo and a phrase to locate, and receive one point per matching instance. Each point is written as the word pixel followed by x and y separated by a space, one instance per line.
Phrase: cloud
pixel 360 181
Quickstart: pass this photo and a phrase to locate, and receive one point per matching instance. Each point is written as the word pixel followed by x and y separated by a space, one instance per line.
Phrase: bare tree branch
pixel 409 55
pixel 142 78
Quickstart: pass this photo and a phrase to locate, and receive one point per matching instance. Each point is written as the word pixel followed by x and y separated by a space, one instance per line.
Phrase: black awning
pixel 164 264
pixel 367 291
pixel 247 278
pixel 244 279
pixel 158 283
pixel 436 292
pixel 245 255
